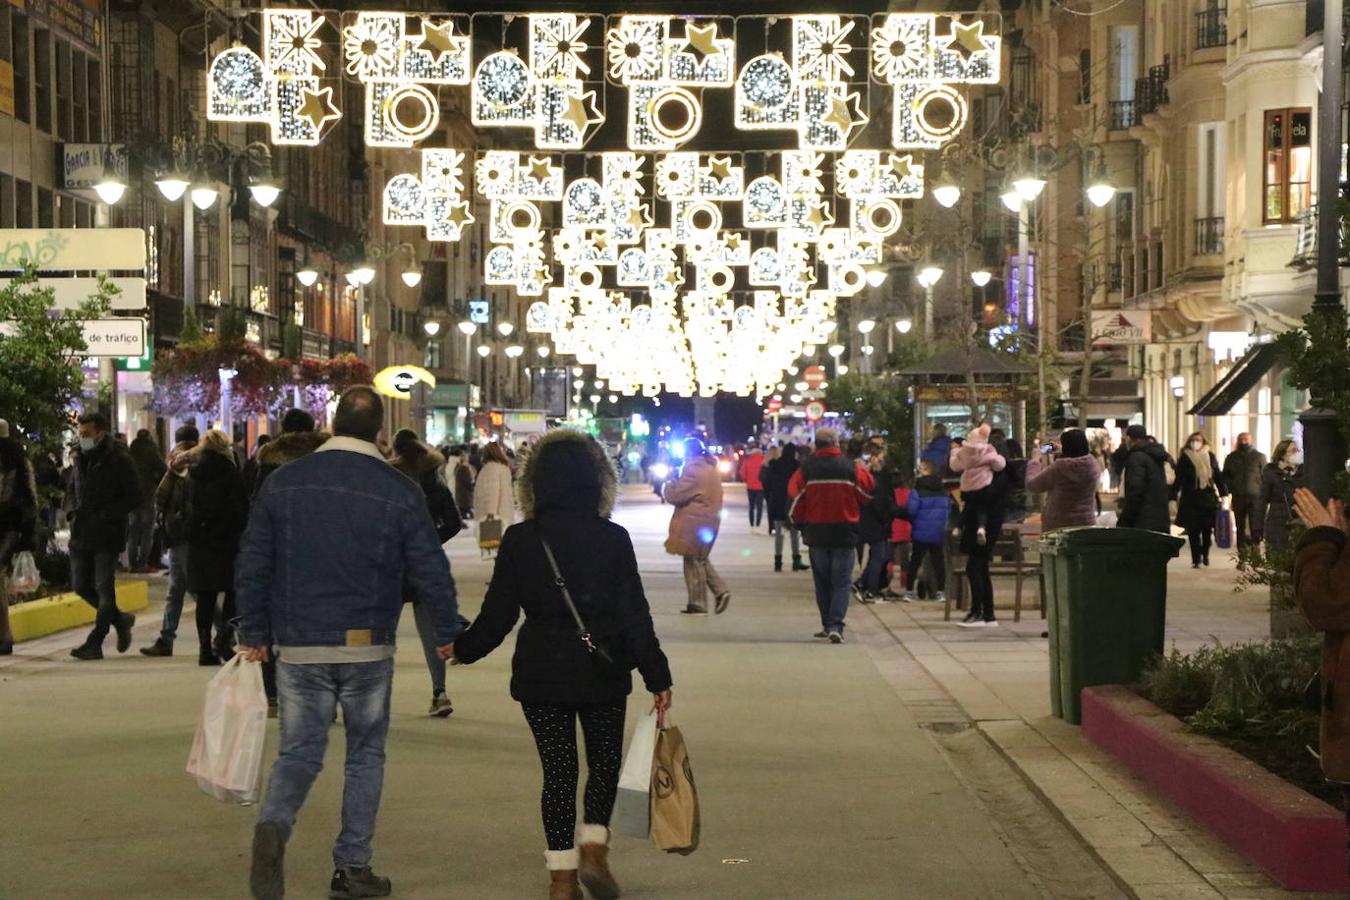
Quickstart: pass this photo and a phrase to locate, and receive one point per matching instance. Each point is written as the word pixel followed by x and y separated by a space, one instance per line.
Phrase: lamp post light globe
pixel 204 196
pixel 576 370
pixel 1178 392
pixel 265 193
pixel 980 277
pixel 947 194
pixel 1100 193
pixel 904 325
pixel 866 326
pixel 172 187
pixel 467 328
pixel 307 277
pixel 412 278
pixel 110 189
pixel 836 350
pixel 505 328
pixel 431 327
pixel 1012 200
pixel 484 351
pixel 801 386
pixel 1176 381
pixel 843 369
pixel 514 351
pixel 612 398
pixel 930 275
pixel 595 399
pixel 363 275
pixel 543 350
pixel 1029 187
pixel 578 383
pixel 876 277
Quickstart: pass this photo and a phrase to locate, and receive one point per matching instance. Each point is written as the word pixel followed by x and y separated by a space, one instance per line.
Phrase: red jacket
pixel 827 491
pixel 902 532
pixel 751 466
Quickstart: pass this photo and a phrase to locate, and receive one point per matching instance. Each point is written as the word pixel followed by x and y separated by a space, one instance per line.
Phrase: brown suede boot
pixel 562 870
pixel 593 869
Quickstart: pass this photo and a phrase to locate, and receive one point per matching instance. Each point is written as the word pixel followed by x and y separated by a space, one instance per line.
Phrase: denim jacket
pixel 331 540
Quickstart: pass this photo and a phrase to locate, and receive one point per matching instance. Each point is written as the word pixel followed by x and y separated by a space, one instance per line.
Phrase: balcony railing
pixel 1115 278
pixel 1211 27
pixel 1150 92
pixel 1209 236
pixel 1123 115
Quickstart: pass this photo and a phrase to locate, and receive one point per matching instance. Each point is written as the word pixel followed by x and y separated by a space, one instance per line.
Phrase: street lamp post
pixel 1323 444
pixel 928 278
pixel 467 329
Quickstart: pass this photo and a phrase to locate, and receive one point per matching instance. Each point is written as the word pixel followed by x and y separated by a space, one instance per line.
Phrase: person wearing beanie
pixel 567 542
pixel 1069 477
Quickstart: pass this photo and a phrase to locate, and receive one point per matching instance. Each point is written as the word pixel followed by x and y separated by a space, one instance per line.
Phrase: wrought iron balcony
pixel 1115 278
pixel 1209 236
pixel 1124 115
pixel 1211 27
pixel 1150 92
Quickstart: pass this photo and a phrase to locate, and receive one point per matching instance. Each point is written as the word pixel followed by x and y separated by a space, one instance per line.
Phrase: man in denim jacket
pixel 332 540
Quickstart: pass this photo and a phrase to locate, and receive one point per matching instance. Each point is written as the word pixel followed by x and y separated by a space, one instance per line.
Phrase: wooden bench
pixel 1010 558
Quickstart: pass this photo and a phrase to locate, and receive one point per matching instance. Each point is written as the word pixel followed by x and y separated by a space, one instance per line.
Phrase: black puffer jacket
pixel 107 490
pixel 566 492
pixel 18 502
pixel 1275 504
pixel 1146 490
pixel 875 516
pixel 775 476
pixel 217 514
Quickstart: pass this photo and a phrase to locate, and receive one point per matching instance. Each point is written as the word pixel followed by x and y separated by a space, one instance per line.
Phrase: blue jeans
pixel 832 571
pixel 779 527
pixel 92 576
pixel 874 575
pixel 426 630
pixel 140 536
pixel 173 603
pixel 309 696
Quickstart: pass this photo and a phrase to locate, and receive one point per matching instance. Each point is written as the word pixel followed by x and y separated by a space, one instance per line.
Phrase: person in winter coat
pixel 1275 509
pixel 218 508
pixel 752 468
pixel 567 491
pixel 697 498
pixel 1322 589
pixel 1069 480
pixel 776 475
pixel 928 509
pixel 492 492
pixel 106 490
pixel 461 480
pixel 1243 471
pixel 874 526
pixel 18 520
pixel 422 464
pixel 1144 483
pixel 145 453
pixel 1199 485
pixel 298 439
pixel 171 511
pixel 939 449
pixel 977 461
pixel 902 534
pixel 250 470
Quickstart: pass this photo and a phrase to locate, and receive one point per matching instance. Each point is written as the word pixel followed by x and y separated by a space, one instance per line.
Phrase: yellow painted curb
pixel 39 618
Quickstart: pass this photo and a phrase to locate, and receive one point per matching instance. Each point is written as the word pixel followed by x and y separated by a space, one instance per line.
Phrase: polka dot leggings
pixel 555 734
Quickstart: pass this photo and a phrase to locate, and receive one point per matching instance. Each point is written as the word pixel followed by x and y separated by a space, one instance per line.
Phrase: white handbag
pixel 633 807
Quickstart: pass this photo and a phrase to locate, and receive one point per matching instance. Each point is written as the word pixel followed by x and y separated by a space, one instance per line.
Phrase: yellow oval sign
pixel 400 381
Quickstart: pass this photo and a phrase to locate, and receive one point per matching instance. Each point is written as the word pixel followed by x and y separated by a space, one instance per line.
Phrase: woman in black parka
pixel 217 513
pixel 567 491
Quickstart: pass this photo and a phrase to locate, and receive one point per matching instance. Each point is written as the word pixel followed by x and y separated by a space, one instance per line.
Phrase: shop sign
pixel 450 396
pixel 81 19
pixel 115 337
pixel 1121 326
pixel 400 381
pixel 84 165
pixel 959 393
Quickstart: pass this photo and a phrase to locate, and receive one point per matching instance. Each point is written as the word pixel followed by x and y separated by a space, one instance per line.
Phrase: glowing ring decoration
pixel 891 223
pixel 431 112
pixel 693 111
pixel 940 92
pixel 531 214
pixel 714 217
pixel 721 280
pixel 588 276
pixel 852 277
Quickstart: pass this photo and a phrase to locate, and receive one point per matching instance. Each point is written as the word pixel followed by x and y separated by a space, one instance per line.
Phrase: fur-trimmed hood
pixel 418 465
pixel 574 473
pixel 290 447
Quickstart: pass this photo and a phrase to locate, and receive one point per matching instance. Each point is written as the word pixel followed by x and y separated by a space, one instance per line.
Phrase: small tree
pixel 40 352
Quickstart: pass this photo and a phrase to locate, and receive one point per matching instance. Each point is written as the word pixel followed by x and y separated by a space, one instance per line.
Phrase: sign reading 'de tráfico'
pixel 115 337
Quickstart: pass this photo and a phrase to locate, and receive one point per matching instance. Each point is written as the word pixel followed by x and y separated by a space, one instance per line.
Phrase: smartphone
pixel 1047 449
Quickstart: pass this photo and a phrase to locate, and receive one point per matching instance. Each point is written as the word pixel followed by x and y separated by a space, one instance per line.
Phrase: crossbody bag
pixel 592 647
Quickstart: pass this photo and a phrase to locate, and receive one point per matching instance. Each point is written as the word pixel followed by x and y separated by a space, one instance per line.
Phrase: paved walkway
pixel 825 772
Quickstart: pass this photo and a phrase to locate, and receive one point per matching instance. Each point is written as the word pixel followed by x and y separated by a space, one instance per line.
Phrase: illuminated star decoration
pixel 846 114
pixel 966 39
pixel 701 41
pixel 437 39
pixel 459 214
pixel 582 112
pixel 902 166
pixel 720 167
pixel 540 168
pixel 318 107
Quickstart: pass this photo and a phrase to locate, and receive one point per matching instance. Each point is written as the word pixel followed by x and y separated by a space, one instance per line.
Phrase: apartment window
pixel 79 102
pixel 1084 77
pixel 6 201
pixel 432 360
pixel 65 211
pixel 23 204
pixel 1286 173
pixel 94 90
pixel 1124 201
pixel 46 208
pixel 1125 65
pixel 84 214
pixel 23 67
pixel 64 92
pixel 42 79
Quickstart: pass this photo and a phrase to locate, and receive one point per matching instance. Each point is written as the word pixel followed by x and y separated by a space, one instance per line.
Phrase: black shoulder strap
pixel 558 579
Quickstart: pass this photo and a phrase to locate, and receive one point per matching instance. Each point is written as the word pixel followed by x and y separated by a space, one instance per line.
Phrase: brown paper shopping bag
pixel 675 816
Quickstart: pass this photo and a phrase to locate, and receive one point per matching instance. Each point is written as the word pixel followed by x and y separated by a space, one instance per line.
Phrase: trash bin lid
pixel 1071 541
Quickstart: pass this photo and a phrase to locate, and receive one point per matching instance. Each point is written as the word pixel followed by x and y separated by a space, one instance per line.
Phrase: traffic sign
pixel 775 405
pixel 814 376
pixel 815 410
pixel 114 337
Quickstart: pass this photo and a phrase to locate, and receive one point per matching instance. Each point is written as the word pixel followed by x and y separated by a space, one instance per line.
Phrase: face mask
pixel 88 443
pixel 1196 445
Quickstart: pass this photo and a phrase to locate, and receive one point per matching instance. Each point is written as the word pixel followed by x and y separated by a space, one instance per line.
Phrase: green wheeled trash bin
pixel 1106 601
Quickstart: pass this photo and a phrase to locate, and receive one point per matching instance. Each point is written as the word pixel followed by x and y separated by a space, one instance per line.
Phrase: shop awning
pixel 1240 379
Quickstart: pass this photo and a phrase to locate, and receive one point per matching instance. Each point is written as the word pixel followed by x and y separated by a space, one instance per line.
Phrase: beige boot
pixel 593 847
pixel 562 869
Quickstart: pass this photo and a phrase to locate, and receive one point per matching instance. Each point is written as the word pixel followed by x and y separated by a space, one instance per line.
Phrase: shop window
pixel 1286 174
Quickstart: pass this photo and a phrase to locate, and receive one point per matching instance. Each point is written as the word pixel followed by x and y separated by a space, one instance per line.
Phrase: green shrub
pixel 1180 683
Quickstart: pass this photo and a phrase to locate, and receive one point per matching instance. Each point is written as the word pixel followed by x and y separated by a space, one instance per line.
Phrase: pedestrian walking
pixel 149 460
pixel 752 469
pixel 828 491
pixel 1243 472
pixel 874 525
pixel 106 490
pixel 1068 475
pixel 299 438
pixel 697 497
pixel 422 464
pixel 1146 482
pixel 1199 485
pixel 776 476
pixel 250 471
pixel 493 496
pixel 1276 510
pixel 171 513
pixel 929 509
pixel 565 552
pixel 217 513
pixel 461 481
pixel 18 520
pixel 332 541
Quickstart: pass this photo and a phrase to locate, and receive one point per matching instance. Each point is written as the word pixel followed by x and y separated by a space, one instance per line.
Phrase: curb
pixel 39 618
pixel 1296 838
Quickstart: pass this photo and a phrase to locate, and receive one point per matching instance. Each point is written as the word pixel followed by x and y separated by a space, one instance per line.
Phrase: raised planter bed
pixel 1299 840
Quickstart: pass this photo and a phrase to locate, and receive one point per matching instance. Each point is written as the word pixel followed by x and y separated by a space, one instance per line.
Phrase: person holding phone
pixel 567 491
pixel 1068 475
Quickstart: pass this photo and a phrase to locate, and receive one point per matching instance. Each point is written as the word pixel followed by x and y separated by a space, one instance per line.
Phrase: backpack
pixel 176 521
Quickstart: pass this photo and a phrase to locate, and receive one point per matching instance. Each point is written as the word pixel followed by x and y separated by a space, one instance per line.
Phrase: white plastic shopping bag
pixel 633 808
pixel 24 579
pixel 227 751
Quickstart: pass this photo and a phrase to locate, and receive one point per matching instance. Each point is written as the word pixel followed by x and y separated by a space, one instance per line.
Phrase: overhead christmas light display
pixel 754 248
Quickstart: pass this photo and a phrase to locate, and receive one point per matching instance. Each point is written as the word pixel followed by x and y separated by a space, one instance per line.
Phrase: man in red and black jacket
pixel 827 492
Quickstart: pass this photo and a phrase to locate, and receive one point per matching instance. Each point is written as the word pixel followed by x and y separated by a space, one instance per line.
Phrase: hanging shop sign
pixel 64 257
pixel 960 393
pixel 401 381
pixel 115 337
pixel 1121 326
pixel 85 165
